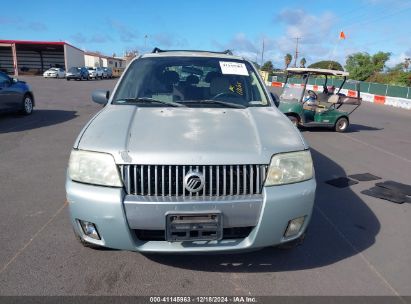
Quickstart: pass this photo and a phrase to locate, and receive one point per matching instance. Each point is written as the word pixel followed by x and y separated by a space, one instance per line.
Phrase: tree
pixel 267 66
pixel 327 64
pixel 287 60
pixel 303 62
pixel 362 66
pixel 407 63
pixel 257 66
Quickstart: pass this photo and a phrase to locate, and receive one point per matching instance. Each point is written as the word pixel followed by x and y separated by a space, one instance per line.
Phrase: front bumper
pixel 117 215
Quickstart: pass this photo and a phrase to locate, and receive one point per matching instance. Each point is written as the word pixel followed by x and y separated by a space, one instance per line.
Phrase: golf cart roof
pixel 317 72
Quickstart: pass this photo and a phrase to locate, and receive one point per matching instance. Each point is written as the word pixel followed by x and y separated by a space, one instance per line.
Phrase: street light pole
pixel 296 51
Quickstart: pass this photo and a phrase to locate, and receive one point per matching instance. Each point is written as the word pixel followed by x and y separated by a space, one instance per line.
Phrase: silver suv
pixel 189 154
pixel 95 72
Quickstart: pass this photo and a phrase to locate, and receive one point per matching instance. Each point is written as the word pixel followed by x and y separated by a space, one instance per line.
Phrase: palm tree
pixel 303 62
pixel 287 60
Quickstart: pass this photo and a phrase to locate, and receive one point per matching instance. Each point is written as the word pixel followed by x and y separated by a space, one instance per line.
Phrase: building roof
pixel 95 54
pixel 317 71
pixel 37 43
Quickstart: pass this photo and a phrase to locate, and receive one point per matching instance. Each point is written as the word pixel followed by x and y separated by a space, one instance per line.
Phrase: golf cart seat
pixel 321 109
pixel 324 106
pixel 333 99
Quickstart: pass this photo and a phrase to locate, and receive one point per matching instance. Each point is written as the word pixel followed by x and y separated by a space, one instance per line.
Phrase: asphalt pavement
pixel 356 245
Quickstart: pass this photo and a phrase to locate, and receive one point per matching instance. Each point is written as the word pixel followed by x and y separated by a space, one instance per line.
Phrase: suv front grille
pixel 163 180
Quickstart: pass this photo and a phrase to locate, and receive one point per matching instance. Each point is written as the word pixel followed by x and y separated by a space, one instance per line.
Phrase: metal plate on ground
pixel 387 194
pixel 341 182
pixel 364 177
pixel 395 186
pixel 194 227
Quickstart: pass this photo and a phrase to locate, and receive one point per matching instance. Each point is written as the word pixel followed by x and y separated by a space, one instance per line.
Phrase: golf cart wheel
pixel 293 119
pixel 341 125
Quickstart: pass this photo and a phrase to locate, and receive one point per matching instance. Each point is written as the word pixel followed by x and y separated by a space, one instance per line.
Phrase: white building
pixel 93 59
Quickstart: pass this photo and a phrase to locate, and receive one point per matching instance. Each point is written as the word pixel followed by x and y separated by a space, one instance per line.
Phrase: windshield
pixel 191 81
pixel 74 70
pixel 292 92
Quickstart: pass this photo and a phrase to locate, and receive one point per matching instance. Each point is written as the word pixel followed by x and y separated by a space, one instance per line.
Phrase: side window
pixel 4 80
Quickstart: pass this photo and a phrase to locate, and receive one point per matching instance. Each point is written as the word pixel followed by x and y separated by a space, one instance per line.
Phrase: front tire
pixel 341 125
pixel 27 105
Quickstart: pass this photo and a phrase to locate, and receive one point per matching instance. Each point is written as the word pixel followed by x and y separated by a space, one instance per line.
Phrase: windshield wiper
pixel 149 99
pixel 212 101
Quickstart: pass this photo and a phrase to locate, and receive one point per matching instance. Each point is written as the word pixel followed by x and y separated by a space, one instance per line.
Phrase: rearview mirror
pixel 100 96
pixel 275 99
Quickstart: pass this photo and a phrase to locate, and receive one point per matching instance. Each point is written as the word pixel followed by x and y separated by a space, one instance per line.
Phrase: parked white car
pixel 54 73
pixel 96 72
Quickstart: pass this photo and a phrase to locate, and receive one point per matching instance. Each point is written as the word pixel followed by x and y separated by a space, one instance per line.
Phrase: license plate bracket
pixel 194 227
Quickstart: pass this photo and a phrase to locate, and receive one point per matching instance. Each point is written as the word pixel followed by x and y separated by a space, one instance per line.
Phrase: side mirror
pixel 14 80
pixel 275 99
pixel 100 96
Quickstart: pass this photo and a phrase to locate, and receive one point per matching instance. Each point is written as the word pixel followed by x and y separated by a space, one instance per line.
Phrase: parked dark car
pixel 107 73
pixel 78 73
pixel 15 95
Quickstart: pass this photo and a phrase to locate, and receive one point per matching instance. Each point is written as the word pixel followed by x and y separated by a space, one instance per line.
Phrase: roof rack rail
pixel 157 50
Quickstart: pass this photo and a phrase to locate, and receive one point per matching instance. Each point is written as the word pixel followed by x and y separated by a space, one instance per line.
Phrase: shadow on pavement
pixel 342 226
pixel 38 119
pixel 351 129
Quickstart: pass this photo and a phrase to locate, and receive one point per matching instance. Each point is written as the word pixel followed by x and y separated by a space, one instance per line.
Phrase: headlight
pixel 93 168
pixel 287 168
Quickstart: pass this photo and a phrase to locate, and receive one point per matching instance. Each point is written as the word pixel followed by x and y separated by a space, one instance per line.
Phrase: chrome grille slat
pixel 155 180
pixel 231 180
pixel 219 180
pixel 238 180
pixel 224 180
pixel 183 174
pixel 211 181
pixel 162 181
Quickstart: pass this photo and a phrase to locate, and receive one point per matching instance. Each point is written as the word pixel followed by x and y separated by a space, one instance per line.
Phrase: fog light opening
pixel 89 229
pixel 294 226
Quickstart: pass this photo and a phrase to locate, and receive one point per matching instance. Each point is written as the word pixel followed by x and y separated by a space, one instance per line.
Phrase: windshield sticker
pixel 233 68
pixel 237 88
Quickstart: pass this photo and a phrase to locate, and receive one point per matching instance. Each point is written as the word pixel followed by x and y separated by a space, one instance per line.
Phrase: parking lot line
pixel 21 250
pixel 377 148
pixel 371 266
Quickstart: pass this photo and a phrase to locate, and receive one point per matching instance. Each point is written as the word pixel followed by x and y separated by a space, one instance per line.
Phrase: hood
pixel 190 135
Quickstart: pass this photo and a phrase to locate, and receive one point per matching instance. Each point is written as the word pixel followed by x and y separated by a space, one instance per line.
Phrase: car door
pixel 7 95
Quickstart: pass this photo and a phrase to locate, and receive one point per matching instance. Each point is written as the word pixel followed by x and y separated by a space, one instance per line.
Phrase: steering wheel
pixel 313 93
pixel 227 94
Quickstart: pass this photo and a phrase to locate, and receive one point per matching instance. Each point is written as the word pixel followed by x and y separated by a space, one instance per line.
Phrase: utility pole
pixel 262 55
pixel 296 51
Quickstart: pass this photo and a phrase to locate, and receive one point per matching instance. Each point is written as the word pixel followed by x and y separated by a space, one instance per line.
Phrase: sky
pixel 242 26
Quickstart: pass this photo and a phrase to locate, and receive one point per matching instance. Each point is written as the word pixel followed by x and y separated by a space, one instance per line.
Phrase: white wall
pixel 73 57
pixel 104 62
pixel 93 61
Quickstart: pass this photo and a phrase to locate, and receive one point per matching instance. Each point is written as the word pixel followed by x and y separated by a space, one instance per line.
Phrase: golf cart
pixel 310 108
